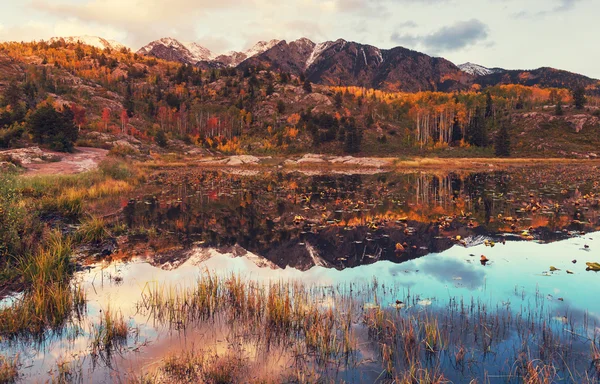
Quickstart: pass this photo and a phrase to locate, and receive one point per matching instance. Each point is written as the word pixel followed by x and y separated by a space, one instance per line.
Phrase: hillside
pixel 137 105
pixel 543 77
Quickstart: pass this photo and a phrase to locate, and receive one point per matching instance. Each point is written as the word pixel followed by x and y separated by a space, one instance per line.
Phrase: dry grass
pixel 9 369
pixel 109 334
pixel 435 163
pixel 204 366
pixel 93 230
pixel 49 299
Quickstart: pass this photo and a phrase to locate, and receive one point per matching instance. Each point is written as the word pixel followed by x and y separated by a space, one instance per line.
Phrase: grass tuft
pixel 9 369
pixel 93 230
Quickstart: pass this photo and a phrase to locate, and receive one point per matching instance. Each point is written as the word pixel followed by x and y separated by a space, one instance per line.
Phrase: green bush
pixel 10 135
pixel 116 169
pixel 161 139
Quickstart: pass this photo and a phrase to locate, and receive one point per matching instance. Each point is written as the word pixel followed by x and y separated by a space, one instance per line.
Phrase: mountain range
pixel 346 63
pixel 195 54
pixel 94 41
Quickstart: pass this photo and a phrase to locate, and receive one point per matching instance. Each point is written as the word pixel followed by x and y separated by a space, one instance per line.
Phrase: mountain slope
pixel 544 77
pixel 288 57
pixel 478 70
pixel 233 58
pixel 348 63
pixel 174 50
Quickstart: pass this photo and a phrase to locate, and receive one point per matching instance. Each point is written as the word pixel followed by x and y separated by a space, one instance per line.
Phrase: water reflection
pixel 516 284
pixel 350 220
pixel 369 240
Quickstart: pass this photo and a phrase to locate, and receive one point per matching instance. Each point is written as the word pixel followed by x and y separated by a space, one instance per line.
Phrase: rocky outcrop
pixel 350 161
pixel 534 120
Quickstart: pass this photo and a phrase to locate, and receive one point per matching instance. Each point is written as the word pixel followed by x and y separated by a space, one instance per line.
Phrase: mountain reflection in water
pixel 349 220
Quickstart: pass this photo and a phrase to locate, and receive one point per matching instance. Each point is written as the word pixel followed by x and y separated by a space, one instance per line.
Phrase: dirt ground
pixel 82 160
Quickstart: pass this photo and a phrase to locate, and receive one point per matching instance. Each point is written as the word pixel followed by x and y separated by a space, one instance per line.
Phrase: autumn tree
pixel 124 120
pixel 52 128
pixel 579 99
pixel 106 117
pixel 78 115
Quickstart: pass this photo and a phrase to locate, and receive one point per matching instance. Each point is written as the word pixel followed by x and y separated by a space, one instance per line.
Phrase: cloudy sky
pixel 513 34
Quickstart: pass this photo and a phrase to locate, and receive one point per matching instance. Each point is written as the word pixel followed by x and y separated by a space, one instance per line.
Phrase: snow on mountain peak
pixel 476 69
pixel 303 41
pixel 194 52
pixel 190 52
pixel 199 51
pixel 94 41
pixel 261 47
pixel 317 50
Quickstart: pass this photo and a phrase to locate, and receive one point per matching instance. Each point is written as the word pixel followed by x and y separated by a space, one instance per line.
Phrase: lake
pixel 305 276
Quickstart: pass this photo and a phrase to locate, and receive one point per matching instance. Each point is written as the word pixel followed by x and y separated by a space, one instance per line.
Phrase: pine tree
pixel 502 141
pixel 579 98
pixel 161 139
pixel 456 131
pixel 128 103
pixel 337 100
pixel 280 106
pixel 270 89
pixel 489 105
pixel 558 111
pixel 477 130
pixel 53 128
pixel 352 136
pixel 79 52
pixel 369 120
pixel 307 86
pixel 12 94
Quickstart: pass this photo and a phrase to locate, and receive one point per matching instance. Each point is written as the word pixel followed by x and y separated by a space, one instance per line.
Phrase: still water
pixel 373 240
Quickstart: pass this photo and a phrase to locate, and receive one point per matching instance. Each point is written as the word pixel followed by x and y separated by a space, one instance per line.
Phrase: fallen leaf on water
pixel 570 272
pixel 592 266
pixel 553 268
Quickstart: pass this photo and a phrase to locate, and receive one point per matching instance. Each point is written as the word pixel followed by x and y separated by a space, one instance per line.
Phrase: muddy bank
pixel 38 161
